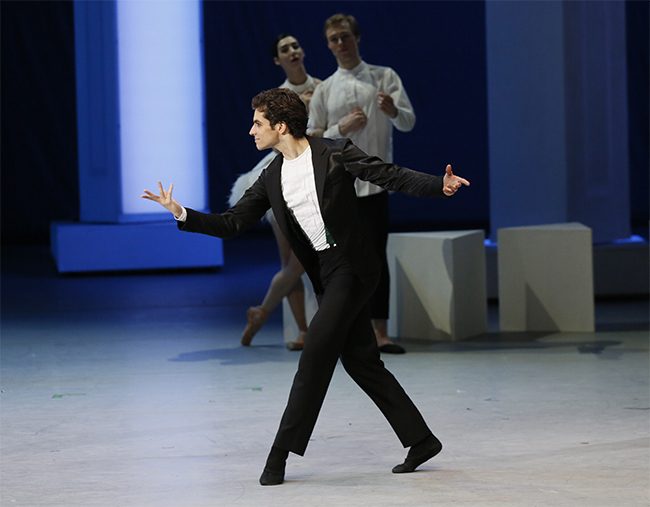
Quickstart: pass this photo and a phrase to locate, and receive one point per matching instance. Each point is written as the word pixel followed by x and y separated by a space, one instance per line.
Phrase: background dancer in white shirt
pixel 288 54
pixel 363 103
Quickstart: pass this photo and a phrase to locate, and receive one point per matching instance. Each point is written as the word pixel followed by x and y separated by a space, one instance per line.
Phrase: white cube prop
pixel 438 288
pixel 546 278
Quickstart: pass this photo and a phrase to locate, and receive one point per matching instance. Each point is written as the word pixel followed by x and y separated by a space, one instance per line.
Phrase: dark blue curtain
pixel 39 120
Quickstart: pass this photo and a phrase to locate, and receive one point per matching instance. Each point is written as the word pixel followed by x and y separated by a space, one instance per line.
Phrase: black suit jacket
pixel 337 163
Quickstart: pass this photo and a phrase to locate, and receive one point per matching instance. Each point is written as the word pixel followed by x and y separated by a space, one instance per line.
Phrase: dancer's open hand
pixel 451 183
pixel 164 199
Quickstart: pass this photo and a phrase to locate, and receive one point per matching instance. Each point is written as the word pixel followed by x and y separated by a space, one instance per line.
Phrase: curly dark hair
pixel 282 105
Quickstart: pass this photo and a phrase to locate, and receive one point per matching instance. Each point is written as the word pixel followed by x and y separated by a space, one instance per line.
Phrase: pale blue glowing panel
pixel 161 98
pixel 140 118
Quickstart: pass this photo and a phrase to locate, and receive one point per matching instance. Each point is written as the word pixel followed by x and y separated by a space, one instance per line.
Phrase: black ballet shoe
pixel 392 348
pixel 418 454
pixel 271 477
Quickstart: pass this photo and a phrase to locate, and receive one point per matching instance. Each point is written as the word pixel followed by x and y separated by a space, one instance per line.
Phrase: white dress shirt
pixel 345 90
pixel 299 192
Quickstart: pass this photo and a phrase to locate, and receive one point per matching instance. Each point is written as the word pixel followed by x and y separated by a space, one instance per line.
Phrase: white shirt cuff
pixel 183 216
pixel 333 132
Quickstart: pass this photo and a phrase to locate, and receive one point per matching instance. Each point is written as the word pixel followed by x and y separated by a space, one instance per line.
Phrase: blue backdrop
pixel 438 48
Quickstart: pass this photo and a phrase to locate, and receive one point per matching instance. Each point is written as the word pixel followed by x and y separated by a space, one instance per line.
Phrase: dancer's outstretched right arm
pixel 243 215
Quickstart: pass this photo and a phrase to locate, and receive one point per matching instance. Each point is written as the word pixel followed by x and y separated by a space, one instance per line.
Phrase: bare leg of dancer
pixel 286 282
pixel 296 299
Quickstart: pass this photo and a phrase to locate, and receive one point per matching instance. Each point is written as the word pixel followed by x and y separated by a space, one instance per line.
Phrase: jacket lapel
pixel 320 166
pixel 274 191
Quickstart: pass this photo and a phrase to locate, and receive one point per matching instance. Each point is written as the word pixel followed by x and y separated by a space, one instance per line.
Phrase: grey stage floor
pixel 132 390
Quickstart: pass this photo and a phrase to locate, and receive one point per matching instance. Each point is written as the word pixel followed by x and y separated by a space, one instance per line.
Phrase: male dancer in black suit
pixel 310 187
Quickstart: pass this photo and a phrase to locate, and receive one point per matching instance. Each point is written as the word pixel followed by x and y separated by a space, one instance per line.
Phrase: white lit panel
pixel 161 102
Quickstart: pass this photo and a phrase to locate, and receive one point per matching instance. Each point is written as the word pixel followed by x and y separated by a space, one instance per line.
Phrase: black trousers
pixel 342 329
pixel 374 214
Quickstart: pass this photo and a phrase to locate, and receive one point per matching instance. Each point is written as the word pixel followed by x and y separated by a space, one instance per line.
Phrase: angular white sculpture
pixel 546 278
pixel 438 285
